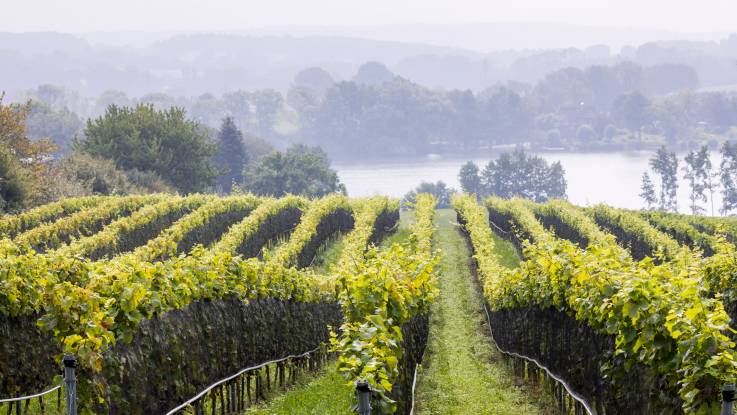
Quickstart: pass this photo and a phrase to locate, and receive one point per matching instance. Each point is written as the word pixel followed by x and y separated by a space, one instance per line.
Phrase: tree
pixel 665 78
pixel 552 138
pixel 631 110
pixel 314 78
pixel 469 178
pixel 689 174
pixel 13 185
pixel 697 171
pixel 505 117
pixel 60 125
pixel 111 97
pixel 268 105
pixel 665 164
pixel 518 174
pixel 24 163
pixel 585 133
pixel 440 190
pixel 610 132
pixel 256 147
pixel 648 191
pixel 80 175
pixel 672 116
pixel 299 170
pixel 556 184
pixel 706 175
pixel 230 157
pixel 373 73
pixel 728 176
pixel 144 139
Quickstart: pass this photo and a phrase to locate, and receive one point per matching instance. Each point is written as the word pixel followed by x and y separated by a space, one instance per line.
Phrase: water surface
pixel 612 178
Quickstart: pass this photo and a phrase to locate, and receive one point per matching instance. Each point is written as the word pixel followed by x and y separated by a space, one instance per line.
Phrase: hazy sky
pixel 79 16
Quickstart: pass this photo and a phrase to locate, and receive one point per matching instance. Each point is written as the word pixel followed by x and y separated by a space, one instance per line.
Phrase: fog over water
pixel 612 178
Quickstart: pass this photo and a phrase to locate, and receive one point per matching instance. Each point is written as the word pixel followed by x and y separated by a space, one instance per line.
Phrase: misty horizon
pixel 490 37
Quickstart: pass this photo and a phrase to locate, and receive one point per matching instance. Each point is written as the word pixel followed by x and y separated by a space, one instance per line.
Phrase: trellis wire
pixel 241 390
pixel 24 398
pixel 578 398
pixel 498 229
pixel 18 402
pixel 414 384
pixel 70 386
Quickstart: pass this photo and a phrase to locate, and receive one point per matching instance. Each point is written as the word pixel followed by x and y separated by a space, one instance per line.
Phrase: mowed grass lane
pixel 462 373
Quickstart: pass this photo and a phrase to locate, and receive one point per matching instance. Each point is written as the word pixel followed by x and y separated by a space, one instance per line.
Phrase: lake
pixel 611 178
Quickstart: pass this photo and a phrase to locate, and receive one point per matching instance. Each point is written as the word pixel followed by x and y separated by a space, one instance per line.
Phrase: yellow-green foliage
pixel 244 230
pixel 11 225
pixel 661 316
pixel 720 270
pixel 288 253
pixel 357 241
pixel 111 236
pixel 55 234
pixel 476 222
pixel 683 231
pixel 579 221
pixel 422 229
pixel 165 245
pixel 520 213
pixel 631 224
pixel 378 296
pixel 714 225
pixel 90 305
pixel 668 317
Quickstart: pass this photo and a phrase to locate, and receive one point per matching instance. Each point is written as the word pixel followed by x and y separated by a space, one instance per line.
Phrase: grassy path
pixel 462 372
pixel 329 255
pixel 326 392
pixel 323 394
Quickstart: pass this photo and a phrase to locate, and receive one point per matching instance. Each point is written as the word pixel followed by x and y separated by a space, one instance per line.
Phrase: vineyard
pixel 160 297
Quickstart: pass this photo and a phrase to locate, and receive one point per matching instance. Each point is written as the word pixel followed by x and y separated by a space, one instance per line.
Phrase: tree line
pixel 140 150
pixel 378 114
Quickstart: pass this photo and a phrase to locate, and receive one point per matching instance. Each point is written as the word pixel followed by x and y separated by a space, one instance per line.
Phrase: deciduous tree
pixel 440 190
pixel 728 177
pixel 300 170
pixel 469 178
pixel 145 139
pixel 518 174
pixel 665 164
pixel 648 192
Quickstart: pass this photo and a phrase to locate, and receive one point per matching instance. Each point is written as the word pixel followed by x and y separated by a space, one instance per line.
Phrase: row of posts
pixel 233 396
pixel 363 394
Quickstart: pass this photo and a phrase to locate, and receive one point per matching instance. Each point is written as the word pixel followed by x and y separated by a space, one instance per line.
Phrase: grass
pixel 402 233
pixel 326 394
pixel 463 373
pixel 32 407
pixel 507 252
pixel 272 245
pixel 328 255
